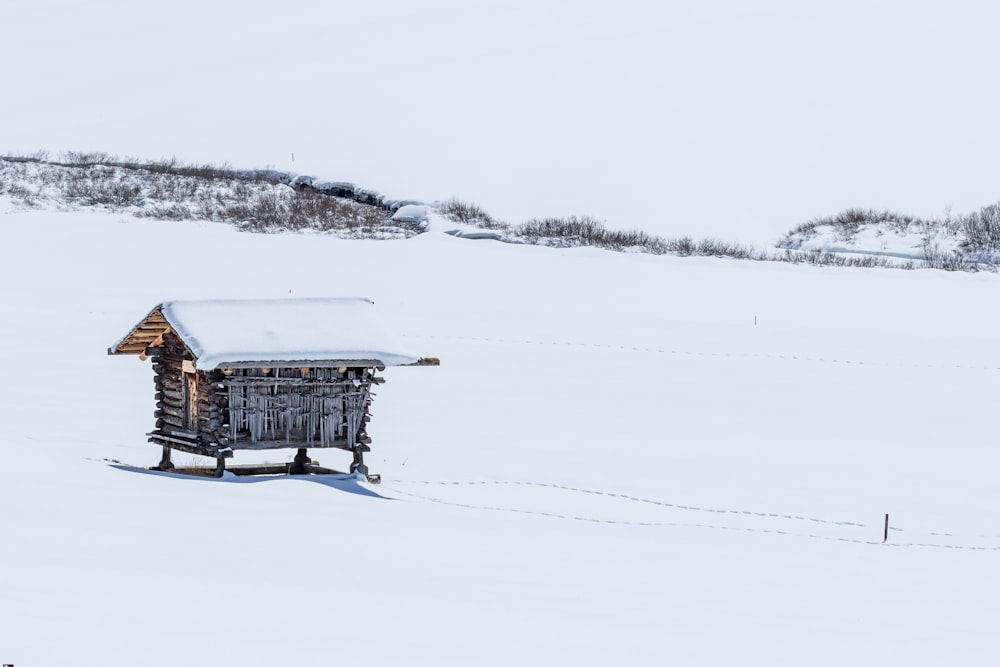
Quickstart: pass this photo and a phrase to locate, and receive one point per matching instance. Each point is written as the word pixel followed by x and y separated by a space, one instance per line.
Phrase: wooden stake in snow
pixel 885 537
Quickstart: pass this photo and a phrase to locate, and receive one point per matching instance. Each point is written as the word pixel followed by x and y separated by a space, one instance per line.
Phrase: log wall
pixel 176 407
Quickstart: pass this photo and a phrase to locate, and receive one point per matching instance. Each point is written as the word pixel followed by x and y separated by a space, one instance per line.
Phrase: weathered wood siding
pixel 259 408
pixel 293 407
pixel 176 395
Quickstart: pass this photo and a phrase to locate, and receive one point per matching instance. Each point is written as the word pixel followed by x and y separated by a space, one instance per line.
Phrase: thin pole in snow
pixel 885 537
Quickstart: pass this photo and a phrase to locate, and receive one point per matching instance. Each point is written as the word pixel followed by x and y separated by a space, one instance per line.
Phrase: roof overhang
pixel 275 333
pixel 147 333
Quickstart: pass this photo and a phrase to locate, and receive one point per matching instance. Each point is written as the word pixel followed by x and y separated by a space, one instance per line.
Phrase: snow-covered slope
pixel 728 119
pixel 970 241
pixel 622 458
pixel 276 201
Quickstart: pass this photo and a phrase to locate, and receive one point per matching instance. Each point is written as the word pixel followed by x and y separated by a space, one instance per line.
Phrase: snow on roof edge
pixel 337 329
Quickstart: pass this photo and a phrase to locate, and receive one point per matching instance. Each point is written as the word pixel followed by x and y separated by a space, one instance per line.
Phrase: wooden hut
pixel 264 374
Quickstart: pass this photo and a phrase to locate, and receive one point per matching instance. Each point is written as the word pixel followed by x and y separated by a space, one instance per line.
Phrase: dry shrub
pixel 459 211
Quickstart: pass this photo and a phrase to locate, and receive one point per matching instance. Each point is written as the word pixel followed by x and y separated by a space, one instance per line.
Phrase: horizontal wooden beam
pixel 298 382
pixel 189 446
pixel 306 363
pixel 143 351
pixel 425 361
pixel 251 469
pixel 180 433
pixel 147 332
pixel 150 334
pixel 280 443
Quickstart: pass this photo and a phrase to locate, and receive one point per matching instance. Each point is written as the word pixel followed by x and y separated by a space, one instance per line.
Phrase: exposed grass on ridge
pixel 580 231
pixel 259 201
pixel 270 201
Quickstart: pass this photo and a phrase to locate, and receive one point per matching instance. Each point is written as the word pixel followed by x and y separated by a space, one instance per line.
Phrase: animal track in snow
pixel 543 500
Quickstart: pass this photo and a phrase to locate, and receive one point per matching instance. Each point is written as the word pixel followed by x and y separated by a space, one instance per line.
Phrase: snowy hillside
pixel 622 458
pixel 721 119
pixel 279 201
pixel 967 242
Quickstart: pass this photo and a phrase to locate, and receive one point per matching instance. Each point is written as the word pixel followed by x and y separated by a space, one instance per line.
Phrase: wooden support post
pixel 220 466
pixel 885 537
pixel 165 462
pixel 300 465
pixel 359 461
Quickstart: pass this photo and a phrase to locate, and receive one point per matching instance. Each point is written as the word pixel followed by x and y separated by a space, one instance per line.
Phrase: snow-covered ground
pixel 622 458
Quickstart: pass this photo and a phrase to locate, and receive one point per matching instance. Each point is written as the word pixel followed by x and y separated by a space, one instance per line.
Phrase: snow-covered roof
pixel 230 332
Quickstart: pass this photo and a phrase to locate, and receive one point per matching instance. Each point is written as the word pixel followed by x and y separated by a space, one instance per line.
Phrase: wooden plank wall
pixel 315 407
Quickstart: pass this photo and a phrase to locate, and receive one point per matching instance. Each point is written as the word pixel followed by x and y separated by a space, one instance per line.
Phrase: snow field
pixel 612 463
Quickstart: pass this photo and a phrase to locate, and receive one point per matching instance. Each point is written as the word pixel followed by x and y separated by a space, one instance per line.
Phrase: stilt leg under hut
pixel 165 462
pixel 300 465
pixel 359 461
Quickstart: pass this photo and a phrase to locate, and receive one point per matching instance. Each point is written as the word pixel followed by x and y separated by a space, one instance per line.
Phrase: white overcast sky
pixel 733 118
